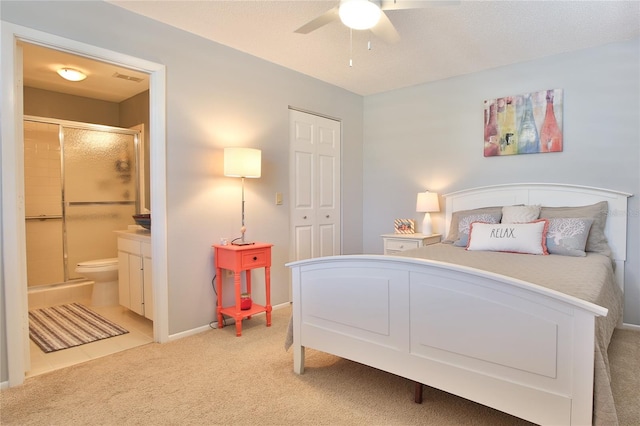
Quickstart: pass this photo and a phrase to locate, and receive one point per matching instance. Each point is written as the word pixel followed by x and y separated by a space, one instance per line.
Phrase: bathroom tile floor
pixel 140 333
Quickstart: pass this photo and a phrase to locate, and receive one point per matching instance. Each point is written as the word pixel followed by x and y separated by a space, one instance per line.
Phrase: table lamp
pixel 426 203
pixel 242 163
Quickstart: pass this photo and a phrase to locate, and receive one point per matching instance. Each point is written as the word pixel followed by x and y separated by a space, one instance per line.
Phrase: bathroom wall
pixel 132 112
pixel 43 196
pixel 128 113
pixel 44 103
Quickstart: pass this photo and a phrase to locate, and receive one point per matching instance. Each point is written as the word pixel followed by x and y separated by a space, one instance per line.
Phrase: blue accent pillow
pixel 465 223
pixel 568 236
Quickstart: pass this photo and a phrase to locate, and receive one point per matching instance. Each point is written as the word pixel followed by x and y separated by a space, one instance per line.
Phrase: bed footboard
pixel 501 342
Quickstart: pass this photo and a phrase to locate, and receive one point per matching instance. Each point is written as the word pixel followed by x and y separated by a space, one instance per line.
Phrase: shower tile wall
pixel 43 198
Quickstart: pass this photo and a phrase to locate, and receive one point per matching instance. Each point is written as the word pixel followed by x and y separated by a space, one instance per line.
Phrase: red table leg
pixel 267 280
pixel 219 297
pixel 237 281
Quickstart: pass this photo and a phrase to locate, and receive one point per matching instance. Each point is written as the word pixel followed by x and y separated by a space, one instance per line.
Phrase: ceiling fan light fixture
pixel 71 74
pixel 359 14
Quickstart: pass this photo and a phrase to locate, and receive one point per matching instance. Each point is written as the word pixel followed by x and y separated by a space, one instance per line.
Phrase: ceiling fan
pixel 367 15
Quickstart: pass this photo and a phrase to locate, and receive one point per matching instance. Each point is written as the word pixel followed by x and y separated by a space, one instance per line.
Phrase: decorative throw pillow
pixel 597 240
pixel 527 238
pixel 520 214
pixel 452 236
pixel 465 223
pixel 568 236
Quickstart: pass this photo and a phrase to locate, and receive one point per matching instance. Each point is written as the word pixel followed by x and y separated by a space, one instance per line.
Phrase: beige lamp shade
pixel 242 162
pixel 427 202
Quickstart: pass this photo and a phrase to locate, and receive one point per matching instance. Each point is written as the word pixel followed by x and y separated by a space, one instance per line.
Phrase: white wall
pixel 431 137
pixel 216 97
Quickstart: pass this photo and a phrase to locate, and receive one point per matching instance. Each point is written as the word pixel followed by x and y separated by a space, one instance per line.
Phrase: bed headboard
pixel 551 195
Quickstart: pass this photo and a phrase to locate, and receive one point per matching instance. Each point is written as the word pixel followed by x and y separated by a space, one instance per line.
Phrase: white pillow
pixel 520 214
pixel 527 238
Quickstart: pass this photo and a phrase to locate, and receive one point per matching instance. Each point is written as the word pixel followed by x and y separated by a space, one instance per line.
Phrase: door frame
pixel 13 214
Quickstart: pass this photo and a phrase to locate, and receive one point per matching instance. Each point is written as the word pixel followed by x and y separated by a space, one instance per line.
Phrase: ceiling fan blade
pixel 415 4
pixel 385 30
pixel 324 19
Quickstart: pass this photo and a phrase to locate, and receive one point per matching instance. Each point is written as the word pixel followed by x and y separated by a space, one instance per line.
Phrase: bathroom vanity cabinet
pixel 134 272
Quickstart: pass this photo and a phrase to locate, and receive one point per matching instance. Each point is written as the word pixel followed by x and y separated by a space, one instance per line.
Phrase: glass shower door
pixel 99 192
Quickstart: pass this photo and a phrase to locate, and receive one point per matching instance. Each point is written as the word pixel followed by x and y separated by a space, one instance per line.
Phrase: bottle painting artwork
pixel 551 134
pixel 528 140
pixel 523 124
pixel 491 133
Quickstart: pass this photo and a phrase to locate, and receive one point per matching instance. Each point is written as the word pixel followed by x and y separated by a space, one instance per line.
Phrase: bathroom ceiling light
pixel 71 74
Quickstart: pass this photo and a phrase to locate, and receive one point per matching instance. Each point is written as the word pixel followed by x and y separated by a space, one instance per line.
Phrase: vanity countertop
pixel 138 234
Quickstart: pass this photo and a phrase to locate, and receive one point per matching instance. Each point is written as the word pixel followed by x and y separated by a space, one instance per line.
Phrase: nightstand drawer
pixel 395 243
pixel 400 245
pixel 255 259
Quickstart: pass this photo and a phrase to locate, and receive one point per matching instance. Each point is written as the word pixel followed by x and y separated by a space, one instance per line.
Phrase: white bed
pixel 402 315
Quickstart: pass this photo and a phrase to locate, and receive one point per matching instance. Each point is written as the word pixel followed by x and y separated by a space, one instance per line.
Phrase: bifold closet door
pixel 314 170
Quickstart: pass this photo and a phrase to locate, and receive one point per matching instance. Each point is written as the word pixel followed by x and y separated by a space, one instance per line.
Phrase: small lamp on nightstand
pixel 426 203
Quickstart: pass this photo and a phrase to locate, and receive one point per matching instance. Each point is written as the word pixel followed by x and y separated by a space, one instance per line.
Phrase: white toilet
pixel 104 274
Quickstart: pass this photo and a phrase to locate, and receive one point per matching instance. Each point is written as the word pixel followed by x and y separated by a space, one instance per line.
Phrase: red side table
pixel 238 259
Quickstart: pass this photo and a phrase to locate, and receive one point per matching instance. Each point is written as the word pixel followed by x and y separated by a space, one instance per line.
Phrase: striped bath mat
pixel 66 326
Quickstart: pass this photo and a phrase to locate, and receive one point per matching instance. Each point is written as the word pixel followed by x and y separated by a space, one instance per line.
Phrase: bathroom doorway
pixel 14 253
pixel 81 185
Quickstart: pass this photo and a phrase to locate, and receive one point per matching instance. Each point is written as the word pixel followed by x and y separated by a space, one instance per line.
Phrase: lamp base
pixel 427 228
pixel 242 243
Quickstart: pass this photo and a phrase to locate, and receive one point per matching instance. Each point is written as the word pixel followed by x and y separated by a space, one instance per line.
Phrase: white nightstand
pixel 395 243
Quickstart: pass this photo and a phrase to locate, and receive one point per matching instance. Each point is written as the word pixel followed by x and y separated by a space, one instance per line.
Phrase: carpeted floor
pixel 215 378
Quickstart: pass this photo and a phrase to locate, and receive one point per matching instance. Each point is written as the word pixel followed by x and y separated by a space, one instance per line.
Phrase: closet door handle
pixel 304 217
pixel 327 216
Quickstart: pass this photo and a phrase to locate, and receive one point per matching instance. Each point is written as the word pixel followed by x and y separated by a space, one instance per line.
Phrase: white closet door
pixel 314 171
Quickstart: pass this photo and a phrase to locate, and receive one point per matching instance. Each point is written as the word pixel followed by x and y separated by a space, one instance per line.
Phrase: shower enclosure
pixel 81 184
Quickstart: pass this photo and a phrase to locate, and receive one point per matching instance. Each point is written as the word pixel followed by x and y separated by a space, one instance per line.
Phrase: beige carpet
pixel 215 378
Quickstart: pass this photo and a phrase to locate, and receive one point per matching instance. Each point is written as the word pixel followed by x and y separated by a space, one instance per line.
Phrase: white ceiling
pixel 437 42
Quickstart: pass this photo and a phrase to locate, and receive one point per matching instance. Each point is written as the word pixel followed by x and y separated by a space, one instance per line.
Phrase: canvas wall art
pixel 523 124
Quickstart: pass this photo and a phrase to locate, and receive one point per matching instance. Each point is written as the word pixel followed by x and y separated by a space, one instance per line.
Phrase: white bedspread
pixel 589 278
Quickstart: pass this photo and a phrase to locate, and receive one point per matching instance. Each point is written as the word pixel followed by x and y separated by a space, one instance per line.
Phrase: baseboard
pixel 4 385
pixel 228 322
pixel 188 333
pixel 633 327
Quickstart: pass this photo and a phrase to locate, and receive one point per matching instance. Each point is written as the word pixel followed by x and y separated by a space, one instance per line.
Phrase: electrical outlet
pixel 229 273
pixel 278 198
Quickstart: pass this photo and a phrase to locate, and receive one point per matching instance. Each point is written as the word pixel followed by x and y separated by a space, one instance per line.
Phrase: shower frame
pixel 138 155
